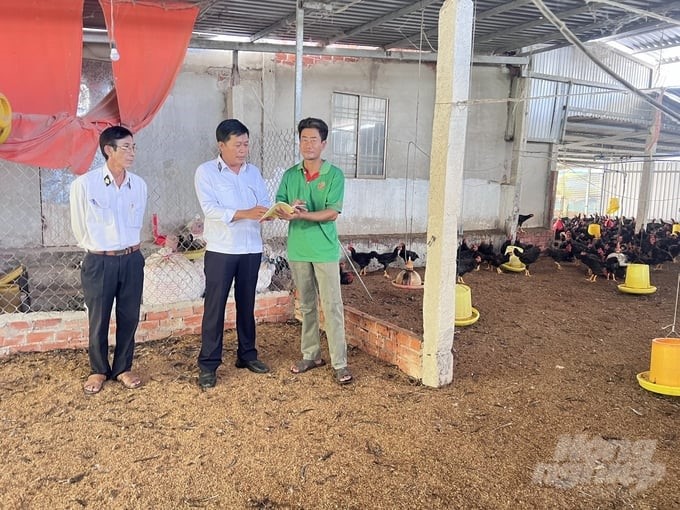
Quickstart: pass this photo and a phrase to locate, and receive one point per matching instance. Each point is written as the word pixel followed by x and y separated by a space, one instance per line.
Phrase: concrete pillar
pixel 642 215
pixel 446 188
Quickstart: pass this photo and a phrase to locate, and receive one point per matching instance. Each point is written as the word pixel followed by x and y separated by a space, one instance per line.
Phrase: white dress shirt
pixel 221 192
pixel 105 217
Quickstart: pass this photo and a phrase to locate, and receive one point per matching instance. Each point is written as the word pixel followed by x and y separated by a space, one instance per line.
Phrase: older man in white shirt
pixel 107 211
pixel 233 197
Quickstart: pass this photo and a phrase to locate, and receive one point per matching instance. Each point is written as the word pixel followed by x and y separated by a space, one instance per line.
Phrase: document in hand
pixel 278 206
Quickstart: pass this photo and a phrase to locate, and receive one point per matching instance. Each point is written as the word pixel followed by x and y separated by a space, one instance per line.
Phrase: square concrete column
pixel 446 187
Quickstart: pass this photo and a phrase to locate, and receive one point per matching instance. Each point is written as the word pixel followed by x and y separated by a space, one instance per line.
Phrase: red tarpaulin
pixel 152 40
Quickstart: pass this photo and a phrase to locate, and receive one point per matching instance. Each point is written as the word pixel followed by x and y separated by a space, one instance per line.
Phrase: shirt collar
pixel 325 166
pixel 221 165
pixel 109 180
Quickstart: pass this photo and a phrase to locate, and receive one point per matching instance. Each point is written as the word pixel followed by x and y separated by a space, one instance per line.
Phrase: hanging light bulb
pixel 114 55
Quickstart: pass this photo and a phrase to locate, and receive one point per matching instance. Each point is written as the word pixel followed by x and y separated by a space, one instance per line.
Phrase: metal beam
pixel 416 6
pixel 500 9
pixel 409 40
pixel 288 20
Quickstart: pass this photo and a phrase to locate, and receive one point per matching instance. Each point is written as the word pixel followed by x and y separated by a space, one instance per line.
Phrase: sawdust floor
pixel 544 412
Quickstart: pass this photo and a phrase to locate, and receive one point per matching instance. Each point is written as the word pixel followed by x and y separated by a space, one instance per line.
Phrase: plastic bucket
pixel 637 276
pixel 664 368
pixel 594 230
pixel 463 302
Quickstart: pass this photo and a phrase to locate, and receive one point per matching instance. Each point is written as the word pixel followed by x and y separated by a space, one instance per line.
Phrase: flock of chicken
pixel 363 259
pixel 607 254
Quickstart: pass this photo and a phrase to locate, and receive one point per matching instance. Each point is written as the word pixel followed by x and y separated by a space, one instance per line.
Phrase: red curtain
pixel 152 40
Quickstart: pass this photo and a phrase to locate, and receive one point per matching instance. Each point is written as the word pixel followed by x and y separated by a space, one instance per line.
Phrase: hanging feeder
pixel 408 278
pixel 594 230
pixel 5 118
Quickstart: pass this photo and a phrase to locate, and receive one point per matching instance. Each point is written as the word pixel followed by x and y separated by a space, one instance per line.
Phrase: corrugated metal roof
pixel 501 27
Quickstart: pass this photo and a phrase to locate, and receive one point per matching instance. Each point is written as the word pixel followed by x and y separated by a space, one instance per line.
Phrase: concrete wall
pixel 181 136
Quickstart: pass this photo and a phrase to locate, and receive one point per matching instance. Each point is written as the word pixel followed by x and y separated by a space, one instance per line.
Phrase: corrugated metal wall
pixel 570 62
pixel 578 185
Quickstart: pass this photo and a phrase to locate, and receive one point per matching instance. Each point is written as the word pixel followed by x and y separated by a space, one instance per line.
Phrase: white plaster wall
pixel 181 136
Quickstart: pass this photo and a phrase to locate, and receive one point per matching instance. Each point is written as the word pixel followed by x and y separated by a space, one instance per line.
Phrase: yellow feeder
pixel 594 230
pixel 5 118
pixel 637 280
pixel 676 228
pixel 465 313
pixel 613 205
pixel 514 264
pixel 664 368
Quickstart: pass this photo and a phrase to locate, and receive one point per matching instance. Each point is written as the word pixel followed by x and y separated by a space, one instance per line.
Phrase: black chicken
pixel 528 256
pixel 594 265
pixel 406 254
pixel 521 219
pixel 465 264
pixel 558 255
pixel 615 265
pixel 362 259
pixel 385 259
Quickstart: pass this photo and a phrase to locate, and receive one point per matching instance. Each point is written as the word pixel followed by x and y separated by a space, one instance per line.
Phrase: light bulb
pixel 114 55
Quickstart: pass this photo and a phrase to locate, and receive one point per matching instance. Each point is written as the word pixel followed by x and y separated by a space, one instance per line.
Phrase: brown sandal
pixel 306 364
pixel 94 384
pixel 129 380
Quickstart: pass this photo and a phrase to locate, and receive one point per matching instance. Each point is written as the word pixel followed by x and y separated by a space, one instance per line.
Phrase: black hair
pixel 312 123
pixel 230 127
pixel 109 137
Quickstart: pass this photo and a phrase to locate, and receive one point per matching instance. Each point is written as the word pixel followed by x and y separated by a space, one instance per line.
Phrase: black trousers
pixel 221 270
pixel 107 278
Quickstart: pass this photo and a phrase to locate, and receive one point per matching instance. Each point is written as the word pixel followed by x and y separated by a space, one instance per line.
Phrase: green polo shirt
pixel 312 241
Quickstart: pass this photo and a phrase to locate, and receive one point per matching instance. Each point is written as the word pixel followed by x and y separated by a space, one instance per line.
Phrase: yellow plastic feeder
pixel 514 264
pixel 676 228
pixel 664 368
pixel 637 280
pixel 5 118
pixel 465 313
pixel 594 230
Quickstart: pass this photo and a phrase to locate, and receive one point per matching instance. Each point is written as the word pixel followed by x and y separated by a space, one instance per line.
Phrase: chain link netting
pixel 39 259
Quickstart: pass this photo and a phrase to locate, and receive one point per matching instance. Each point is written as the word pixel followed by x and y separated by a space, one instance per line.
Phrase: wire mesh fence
pixel 39 259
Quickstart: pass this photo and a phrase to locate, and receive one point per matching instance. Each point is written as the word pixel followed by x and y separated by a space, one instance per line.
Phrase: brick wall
pixel 310 60
pixel 384 341
pixel 44 331
pixel 380 339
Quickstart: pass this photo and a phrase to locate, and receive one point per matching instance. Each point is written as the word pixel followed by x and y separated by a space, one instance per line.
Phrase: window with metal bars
pixel 358 134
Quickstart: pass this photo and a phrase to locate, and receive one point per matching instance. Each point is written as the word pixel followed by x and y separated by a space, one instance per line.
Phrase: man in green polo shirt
pixel 315 189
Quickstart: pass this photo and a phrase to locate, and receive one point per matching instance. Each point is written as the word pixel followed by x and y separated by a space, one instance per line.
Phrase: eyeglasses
pixel 126 147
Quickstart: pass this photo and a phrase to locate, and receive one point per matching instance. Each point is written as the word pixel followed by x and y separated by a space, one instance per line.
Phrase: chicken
pixel 465 264
pixel 615 265
pixel 521 219
pixel 385 259
pixel 594 265
pixel 558 255
pixel 528 256
pixel 406 254
pixel 345 276
pixel 362 259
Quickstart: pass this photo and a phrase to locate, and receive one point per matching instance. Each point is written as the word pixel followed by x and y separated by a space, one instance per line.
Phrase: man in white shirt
pixel 107 211
pixel 233 197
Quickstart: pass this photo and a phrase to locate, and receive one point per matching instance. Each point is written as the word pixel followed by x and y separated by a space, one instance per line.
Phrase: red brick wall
pixel 310 60
pixel 44 331
pixel 384 341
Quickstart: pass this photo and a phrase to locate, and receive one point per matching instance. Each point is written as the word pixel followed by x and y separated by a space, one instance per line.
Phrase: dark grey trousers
pixel 107 278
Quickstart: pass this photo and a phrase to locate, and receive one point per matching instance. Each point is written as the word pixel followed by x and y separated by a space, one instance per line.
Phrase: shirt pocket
pixel 135 213
pixel 99 210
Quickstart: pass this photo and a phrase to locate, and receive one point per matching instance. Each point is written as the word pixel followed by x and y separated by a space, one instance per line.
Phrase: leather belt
pixel 116 253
